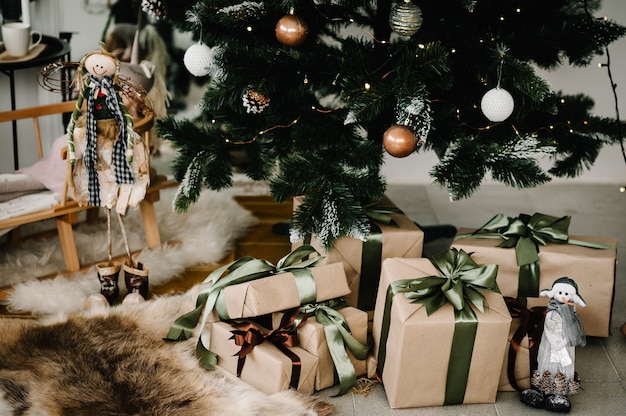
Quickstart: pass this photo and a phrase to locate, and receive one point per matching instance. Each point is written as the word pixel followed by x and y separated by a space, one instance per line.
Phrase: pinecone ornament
pixel 255 102
pixel 154 8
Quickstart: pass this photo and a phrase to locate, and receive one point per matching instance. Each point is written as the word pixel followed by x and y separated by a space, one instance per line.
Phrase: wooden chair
pixel 66 213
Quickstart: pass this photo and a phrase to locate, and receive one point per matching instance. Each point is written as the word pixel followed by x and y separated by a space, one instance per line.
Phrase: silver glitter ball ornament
pixel 405 18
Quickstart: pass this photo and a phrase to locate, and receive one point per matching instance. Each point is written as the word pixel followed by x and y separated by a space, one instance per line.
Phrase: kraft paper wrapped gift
pixel 363 260
pixel 279 292
pixel 417 355
pixel 266 367
pixel 312 338
pixel 251 287
pixel 520 360
pixel 593 269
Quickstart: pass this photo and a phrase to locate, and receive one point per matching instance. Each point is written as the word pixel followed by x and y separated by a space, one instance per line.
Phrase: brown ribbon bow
pixel 532 326
pixel 248 335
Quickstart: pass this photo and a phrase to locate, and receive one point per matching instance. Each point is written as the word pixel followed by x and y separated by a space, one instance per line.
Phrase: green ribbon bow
pixel 242 270
pixel 526 233
pixel 458 285
pixel 381 215
pixel 338 338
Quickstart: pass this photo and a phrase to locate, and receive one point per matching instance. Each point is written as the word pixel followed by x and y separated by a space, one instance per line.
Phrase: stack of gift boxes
pixel 433 326
pixel 279 326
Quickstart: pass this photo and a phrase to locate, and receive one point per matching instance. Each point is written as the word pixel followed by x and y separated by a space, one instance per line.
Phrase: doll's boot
pixel 136 279
pixel 108 275
pixel 533 398
pixel 558 403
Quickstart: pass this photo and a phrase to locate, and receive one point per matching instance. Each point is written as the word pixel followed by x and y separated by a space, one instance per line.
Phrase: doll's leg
pixel 108 273
pixel 135 276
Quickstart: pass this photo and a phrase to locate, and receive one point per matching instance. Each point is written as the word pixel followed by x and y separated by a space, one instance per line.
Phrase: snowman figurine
pixel 555 379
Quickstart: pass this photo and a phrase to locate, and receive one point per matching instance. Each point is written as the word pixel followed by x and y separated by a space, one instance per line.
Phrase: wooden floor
pixel 261 242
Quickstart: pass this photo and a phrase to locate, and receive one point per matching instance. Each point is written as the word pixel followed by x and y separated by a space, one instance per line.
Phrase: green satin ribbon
pixel 526 233
pixel 458 285
pixel 338 338
pixel 372 254
pixel 242 270
pixel 371 263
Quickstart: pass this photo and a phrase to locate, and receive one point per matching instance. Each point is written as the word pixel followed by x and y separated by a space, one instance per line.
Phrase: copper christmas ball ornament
pixel 291 30
pixel 399 141
pixel 497 104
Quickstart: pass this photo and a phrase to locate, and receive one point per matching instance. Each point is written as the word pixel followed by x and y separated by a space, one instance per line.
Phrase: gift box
pixel 279 292
pixel 251 287
pixel 436 359
pixel 593 269
pixel 520 360
pixel 362 260
pixel 312 337
pixel 266 366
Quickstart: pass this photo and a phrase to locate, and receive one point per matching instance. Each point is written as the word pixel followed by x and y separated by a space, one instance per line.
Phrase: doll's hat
pixel 568 281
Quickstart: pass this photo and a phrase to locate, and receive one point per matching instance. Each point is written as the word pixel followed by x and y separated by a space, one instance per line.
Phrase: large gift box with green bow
pixel 440 331
pixel 392 234
pixel 534 251
pixel 267 360
pixel 337 335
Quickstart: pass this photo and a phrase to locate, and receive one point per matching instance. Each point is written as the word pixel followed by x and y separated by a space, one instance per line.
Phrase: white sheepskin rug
pixel 204 234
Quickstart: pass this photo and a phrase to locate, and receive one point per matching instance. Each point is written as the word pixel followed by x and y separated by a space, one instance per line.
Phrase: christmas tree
pixel 313 93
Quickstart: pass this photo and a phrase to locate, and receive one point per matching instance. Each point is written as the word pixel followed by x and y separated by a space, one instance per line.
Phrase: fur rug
pixel 205 233
pixel 113 361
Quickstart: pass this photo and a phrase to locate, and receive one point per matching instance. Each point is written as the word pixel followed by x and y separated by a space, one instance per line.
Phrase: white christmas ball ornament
pixel 497 104
pixel 198 59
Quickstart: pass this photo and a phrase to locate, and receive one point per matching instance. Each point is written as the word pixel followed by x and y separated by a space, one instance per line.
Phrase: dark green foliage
pixel 332 98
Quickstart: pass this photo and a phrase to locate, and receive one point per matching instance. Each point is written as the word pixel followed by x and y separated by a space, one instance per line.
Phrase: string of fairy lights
pixel 405 20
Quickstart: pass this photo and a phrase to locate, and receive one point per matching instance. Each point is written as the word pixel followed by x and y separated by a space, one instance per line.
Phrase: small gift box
pixel 268 364
pixel 520 360
pixel 346 327
pixel 392 234
pixel 282 291
pixel 251 287
pixel 439 327
pixel 533 251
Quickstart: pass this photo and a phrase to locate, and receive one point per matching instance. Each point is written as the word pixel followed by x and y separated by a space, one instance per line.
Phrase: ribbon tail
pixel 343 366
pixel 529 280
pixel 206 358
pixel 183 327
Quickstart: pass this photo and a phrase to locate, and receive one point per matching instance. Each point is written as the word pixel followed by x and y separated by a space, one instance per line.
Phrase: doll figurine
pixel 555 379
pixel 108 160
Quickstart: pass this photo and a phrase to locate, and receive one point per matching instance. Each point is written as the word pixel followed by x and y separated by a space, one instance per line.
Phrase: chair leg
pixel 150 225
pixel 68 244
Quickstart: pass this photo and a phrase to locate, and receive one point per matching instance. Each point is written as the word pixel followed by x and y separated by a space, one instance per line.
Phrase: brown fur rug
pixel 113 361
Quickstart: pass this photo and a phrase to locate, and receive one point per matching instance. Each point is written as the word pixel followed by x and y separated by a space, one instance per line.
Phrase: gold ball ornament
pixel 399 141
pixel 405 18
pixel 497 104
pixel 291 30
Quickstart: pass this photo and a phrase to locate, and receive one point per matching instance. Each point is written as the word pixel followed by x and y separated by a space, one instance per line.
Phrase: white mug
pixel 17 38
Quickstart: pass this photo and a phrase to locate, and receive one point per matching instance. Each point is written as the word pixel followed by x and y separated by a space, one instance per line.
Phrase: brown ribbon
pixel 248 335
pixel 532 326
